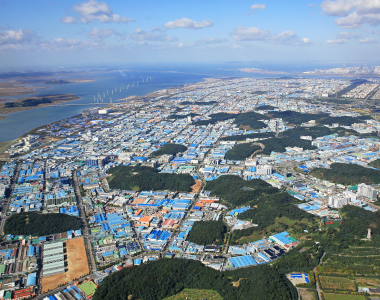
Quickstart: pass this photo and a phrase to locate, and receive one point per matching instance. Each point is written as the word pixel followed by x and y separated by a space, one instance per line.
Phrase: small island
pixel 33 102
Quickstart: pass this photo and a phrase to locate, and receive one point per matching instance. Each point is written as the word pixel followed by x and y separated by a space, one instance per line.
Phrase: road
pixel 8 200
pixel 87 239
pixel 316 279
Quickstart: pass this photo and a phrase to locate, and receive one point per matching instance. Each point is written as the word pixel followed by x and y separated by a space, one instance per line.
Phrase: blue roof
pixel 242 261
pixel 32 279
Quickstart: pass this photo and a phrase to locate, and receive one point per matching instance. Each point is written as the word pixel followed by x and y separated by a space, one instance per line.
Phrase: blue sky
pixel 55 33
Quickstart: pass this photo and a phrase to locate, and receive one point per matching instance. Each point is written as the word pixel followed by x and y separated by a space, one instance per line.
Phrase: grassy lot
pixel 344 297
pixel 308 294
pixel 369 282
pixel 337 283
pixel 193 294
pixel 255 236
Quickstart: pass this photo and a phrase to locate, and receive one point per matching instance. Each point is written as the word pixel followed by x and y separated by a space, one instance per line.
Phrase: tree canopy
pixel 347 174
pixel 37 224
pixel 170 148
pixel 166 277
pixel 207 232
pixel 140 178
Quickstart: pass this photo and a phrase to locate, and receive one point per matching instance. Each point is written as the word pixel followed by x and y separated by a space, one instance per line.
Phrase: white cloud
pixel 336 41
pixel 368 41
pixel 69 20
pixel 61 44
pixel 154 28
pixel 93 10
pixel 12 39
pixel 337 8
pixel 99 33
pixel 310 5
pixel 209 42
pixel 290 38
pixel 256 34
pixel 140 35
pixel 258 6
pixel 349 35
pixel 250 34
pixel 187 23
pixel 353 13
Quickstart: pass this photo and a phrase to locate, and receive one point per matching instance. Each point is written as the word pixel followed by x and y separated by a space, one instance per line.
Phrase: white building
pixel 367 191
pixel 338 200
pixel 264 170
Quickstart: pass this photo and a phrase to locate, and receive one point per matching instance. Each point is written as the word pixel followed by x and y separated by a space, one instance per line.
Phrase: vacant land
pixel 308 294
pixel 77 266
pixel 343 297
pixel 337 283
pixel 193 294
pixel 365 281
pixel 196 187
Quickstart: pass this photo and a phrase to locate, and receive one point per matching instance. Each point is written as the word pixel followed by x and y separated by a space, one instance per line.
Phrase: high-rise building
pixel 367 191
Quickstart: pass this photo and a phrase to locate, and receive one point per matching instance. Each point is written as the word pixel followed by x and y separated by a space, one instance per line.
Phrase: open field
pixel 88 288
pixel 343 297
pixel 337 283
pixel 76 264
pixel 308 294
pixel 193 294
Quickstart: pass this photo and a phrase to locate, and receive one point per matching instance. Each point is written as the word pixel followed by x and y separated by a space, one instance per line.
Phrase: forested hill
pixel 36 224
pixel 166 277
pixel 139 178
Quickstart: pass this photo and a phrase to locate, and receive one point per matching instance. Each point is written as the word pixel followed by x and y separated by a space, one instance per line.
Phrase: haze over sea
pixel 18 123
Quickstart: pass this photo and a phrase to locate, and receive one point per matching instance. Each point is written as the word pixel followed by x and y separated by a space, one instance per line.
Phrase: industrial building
pixel 53 259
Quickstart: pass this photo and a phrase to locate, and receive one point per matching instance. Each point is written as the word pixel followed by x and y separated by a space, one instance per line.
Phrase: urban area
pixel 179 174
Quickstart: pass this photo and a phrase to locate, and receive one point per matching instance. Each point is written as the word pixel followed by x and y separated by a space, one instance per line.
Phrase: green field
pixel 193 294
pixel 88 288
pixel 344 297
pixel 332 223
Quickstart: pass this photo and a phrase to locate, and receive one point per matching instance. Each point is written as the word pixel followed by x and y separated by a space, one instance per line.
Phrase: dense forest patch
pixel 207 233
pixel 243 137
pixel 169 148
pixel 139 178
pixel 280 144
pixel 36 224
pixel 241 151
pixel 166 277
pixel 272 209
pixel 347 174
